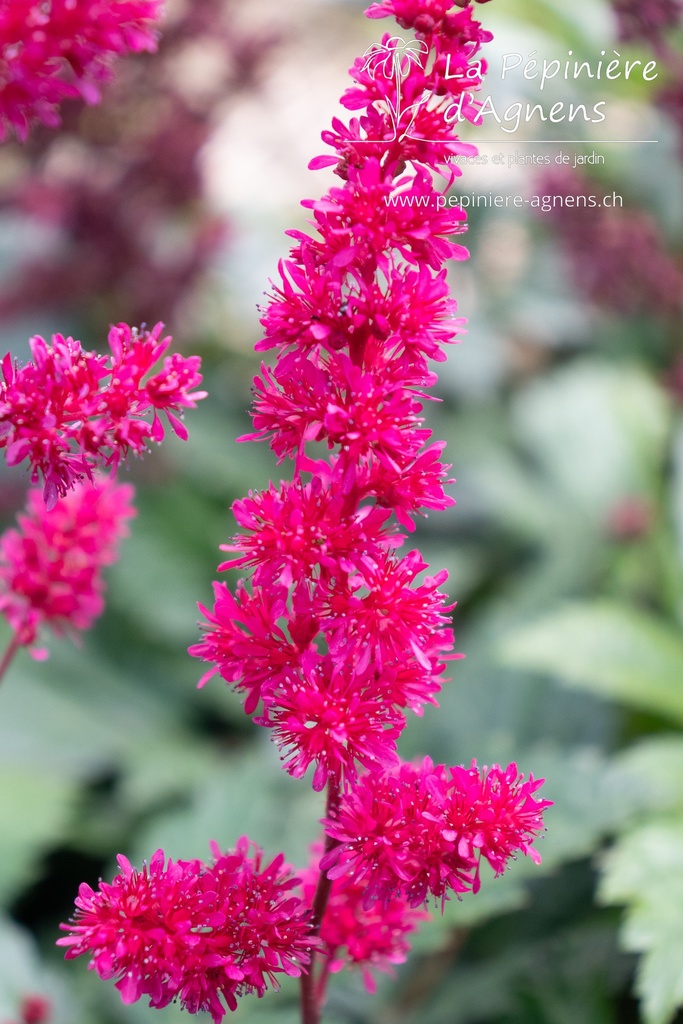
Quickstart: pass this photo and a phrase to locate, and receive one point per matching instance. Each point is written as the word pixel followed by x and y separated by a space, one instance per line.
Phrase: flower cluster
pixel 368 935
pixel 70 410
pixel 51 566
pixel 202 934
pixel 63 49
pixel 419 830
pixel 411 94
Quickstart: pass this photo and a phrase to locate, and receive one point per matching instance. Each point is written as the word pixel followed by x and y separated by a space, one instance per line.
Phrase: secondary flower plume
pixel 63 49
pixel 361 934
pixel 68 411
pixel 51 564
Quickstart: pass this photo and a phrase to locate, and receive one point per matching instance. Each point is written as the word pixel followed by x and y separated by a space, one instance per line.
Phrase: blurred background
pixel 562 410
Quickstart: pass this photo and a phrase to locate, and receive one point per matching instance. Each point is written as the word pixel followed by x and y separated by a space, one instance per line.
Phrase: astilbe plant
pixel 336 634
pixel 52 50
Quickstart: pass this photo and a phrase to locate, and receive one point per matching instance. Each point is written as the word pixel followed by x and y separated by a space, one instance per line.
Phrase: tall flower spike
pixel 360 309
pixel 51 565
pixel 64 49
pixel 69 411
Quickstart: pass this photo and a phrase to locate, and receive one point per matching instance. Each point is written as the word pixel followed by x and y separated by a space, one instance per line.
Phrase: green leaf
pixel 22 973
pixel 35 808
pixel 644 872
pixel 615 413
pixel 249 795
pixel 654 767
pixel 609 649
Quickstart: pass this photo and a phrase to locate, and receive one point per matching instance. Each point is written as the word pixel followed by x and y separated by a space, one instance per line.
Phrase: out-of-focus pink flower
pixel 420 830
pixel 202 934
pixel 64 49
pixel 617 253
pixel 370 937
pixel 670 100
pixel 133 231
pixel 630 518
pixel 425 16
pixel 51 565
pixel 35 1009
pixel 645 19
pixel 69 410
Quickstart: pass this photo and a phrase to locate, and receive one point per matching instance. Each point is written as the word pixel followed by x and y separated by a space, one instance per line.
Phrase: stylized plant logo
pixel 394 59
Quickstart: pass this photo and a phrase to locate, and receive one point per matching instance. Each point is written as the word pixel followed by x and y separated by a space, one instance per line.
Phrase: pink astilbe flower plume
pixel 201 934
pixel 51 564
pixel 360 309
pixel 63 49
pixel 68 410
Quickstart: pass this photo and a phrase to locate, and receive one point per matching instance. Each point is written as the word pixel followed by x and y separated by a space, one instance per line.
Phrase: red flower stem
pixel 8 657
pixel 321 986
pixel 312 995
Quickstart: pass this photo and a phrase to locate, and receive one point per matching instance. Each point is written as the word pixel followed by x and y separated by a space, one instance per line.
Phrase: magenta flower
pixel 69 410
pixel 51 565
pixel 425 16
pixel 64 50
pixel 301 530
pixel 379 614
pixel 375 213
pixel 200 934
pixel 418 830
pixel 335 717
pixel 369 937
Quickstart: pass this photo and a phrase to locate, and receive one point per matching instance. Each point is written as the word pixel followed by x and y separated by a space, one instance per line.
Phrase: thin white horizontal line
pixel 553 142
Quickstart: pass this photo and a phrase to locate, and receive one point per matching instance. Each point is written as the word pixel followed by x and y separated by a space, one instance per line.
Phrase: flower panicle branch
pixel 68 411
